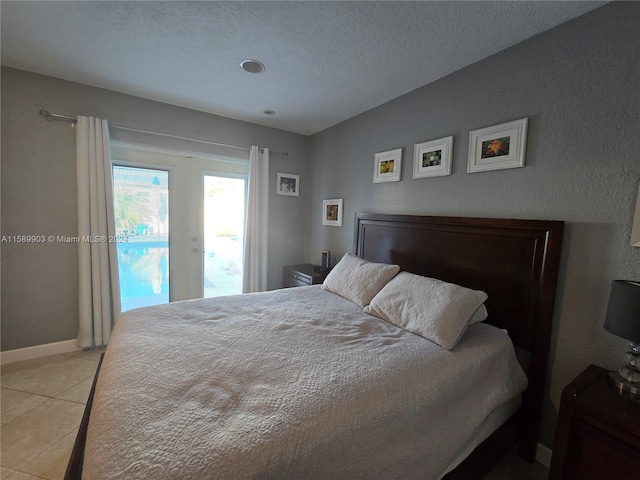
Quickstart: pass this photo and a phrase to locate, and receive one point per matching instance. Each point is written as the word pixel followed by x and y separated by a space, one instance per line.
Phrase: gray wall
pixel 579 86
pixel 39 282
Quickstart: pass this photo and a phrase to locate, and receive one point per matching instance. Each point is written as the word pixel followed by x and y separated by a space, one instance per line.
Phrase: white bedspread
pixel 291 384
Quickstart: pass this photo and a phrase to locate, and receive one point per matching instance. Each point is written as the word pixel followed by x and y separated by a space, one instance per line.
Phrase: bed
pixel 303 383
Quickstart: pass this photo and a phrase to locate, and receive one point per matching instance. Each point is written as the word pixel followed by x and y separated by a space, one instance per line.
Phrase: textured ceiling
pixel 325 61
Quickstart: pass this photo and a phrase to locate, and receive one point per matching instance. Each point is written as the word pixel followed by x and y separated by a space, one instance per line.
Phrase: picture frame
pixel 288 184
pixel 498 147
pixel 387 166
pixel 332 212
pixel 432 159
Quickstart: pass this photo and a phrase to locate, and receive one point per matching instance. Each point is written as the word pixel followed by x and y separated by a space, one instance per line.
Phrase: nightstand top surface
pixel 307 269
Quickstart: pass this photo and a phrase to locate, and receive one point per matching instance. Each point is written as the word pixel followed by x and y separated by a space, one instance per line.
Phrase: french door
pixel 223 216
pixel 180 225
pixel 141 209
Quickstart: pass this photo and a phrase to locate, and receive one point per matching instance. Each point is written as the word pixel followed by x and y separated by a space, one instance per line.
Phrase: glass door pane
pixel 224 217
pixel 141 201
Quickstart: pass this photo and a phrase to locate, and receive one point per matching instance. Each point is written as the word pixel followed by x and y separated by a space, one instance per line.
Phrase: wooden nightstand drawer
pixel 598 431
pixel 302 275
pixel 594 455
pixel 293 281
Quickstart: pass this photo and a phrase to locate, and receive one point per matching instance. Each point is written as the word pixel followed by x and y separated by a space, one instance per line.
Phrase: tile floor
pixel 514 467
pixel 42 405
pixel 42 402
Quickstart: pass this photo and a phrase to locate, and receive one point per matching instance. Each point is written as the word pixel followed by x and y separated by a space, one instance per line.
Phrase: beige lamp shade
pixel 635 232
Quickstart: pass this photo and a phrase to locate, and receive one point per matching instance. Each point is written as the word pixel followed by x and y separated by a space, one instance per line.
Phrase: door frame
pixel 185 280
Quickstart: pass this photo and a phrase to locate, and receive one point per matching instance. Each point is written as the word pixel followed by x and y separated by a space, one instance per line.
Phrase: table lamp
pixel 623 320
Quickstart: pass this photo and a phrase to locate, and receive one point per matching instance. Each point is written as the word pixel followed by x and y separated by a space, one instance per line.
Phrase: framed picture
pixel 332 212
pixel 432 159
pixel 498 147
pixel 288 184
pixel 387 166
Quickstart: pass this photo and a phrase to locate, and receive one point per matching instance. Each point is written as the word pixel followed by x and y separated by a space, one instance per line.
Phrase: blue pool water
pixel 144 272
pixel 143 264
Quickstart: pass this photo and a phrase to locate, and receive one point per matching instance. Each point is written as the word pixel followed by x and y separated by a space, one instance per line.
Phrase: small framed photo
pixel 332 212
pixel 387 166
pixel 288 184
pixel 432 159
pixel 498 147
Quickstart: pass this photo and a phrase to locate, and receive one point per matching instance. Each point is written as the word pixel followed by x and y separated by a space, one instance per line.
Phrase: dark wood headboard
pixel 514 261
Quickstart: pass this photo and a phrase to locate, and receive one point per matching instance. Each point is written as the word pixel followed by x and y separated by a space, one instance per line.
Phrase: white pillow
pixel 431 308
pixel 480 315
pixel 357 279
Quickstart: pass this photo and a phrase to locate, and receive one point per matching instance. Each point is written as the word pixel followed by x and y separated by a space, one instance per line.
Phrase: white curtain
pixel 256 231
pixel 99 289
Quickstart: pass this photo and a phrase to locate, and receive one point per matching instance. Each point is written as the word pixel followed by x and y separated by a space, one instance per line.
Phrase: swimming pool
pixel 144 273
pixel 143 264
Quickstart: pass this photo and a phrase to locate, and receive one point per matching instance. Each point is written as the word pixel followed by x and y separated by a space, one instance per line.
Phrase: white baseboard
pixel 28 353
pixel 543 455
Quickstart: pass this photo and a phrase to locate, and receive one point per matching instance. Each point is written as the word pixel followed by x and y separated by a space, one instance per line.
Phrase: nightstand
pixel 302 275
pixel 598 431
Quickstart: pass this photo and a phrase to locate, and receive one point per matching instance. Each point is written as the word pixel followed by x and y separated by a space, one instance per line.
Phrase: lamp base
pixel 623 385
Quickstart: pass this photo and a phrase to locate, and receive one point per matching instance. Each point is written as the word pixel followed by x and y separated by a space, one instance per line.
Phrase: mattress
pixel 489 425
pixel 295 383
